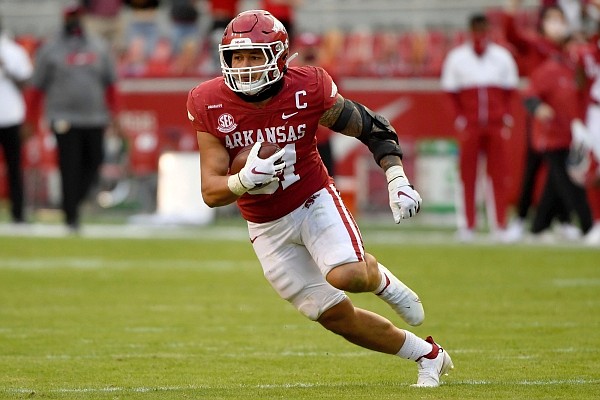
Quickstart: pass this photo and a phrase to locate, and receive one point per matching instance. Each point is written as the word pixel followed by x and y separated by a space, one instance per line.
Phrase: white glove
pixel 257 172
pixel 580 135
pixel 405 201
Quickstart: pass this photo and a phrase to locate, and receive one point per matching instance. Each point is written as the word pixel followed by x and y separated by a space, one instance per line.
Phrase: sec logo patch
pixel 226 123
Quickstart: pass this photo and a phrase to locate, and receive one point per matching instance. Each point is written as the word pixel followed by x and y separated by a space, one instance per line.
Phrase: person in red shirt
pixel 553 99
pixel 308 243
pixel 285 12
pixel 532 48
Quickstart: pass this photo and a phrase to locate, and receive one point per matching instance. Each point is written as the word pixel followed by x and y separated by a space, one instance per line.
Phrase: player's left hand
pixel 405 201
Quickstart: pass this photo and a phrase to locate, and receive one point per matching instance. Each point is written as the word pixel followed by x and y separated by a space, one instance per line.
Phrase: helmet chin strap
pixel 265 94
pixel 290 58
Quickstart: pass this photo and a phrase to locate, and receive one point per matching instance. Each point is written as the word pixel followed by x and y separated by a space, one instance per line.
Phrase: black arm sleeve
pixel 377 133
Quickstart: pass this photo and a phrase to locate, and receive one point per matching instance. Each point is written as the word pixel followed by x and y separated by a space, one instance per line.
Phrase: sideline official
pixel 76 74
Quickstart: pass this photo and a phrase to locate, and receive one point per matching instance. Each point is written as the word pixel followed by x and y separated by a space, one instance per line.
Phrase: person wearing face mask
pixel 574 11
pixel 76 77
pixel 480 77
pixel 553 97
pixel 532 49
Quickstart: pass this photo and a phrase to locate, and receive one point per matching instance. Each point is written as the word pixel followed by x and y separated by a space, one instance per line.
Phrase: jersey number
pixel 289 174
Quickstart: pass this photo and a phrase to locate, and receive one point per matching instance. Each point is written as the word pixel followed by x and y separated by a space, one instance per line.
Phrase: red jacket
pixel 554 83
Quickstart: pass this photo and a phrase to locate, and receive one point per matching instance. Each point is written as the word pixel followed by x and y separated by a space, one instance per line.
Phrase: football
pixel 267 149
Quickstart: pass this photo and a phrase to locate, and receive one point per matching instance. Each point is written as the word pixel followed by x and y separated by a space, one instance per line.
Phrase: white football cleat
pixel 433 365
pixel 514 232
pixel 592 238
pixel 568 231
pixel 465 235
pixel 402 299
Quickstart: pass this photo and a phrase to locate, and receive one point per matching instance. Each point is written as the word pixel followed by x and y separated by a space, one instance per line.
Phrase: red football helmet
pixel 254 29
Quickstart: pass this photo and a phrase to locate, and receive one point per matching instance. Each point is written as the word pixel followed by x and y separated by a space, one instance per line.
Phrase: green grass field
pixel 98 318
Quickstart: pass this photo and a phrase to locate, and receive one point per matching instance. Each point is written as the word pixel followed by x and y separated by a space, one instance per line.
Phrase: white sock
pixel 414 347
pixel 385 281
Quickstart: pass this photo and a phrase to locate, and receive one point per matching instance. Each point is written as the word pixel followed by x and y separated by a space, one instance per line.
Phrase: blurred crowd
pixel 145 47
pixel 554 46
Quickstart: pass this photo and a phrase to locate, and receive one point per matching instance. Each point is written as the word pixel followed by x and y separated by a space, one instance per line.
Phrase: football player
pixel 308 243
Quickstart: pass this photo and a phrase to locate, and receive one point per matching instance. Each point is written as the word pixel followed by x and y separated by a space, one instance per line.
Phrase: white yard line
pixel 96 263
pixel 576 282
pixel 143 389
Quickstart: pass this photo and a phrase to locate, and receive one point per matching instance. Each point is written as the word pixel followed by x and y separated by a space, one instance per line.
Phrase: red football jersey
pixel 290 119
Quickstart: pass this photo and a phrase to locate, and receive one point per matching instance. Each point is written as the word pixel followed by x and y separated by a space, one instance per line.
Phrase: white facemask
pixel 556 30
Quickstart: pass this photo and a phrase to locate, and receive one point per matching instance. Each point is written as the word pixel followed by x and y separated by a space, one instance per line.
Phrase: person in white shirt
pixel 480 77
pixel 15 69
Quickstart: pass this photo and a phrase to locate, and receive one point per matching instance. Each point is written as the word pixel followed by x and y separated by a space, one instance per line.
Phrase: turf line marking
pixel 559 382
pixel 115 389
pixel 552 382
pixel 99 263
pixel 174 355
pixel 576 282
pixel 143 389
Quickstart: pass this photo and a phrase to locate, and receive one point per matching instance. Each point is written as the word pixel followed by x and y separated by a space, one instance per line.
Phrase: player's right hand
pixel 258 172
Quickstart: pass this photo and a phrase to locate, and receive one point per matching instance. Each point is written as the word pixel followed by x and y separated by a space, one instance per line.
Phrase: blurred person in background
pixel 574 11
pixel 586 138
pixel 311 53
pixel 15 70
pixel 532 49
pixel 75 76
pixel 221 12
pixel 143 23
pixel 481 77
pixel 554 99
pixel 103 18
pixel 285 12
pixel 186 39
pixel 184 16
